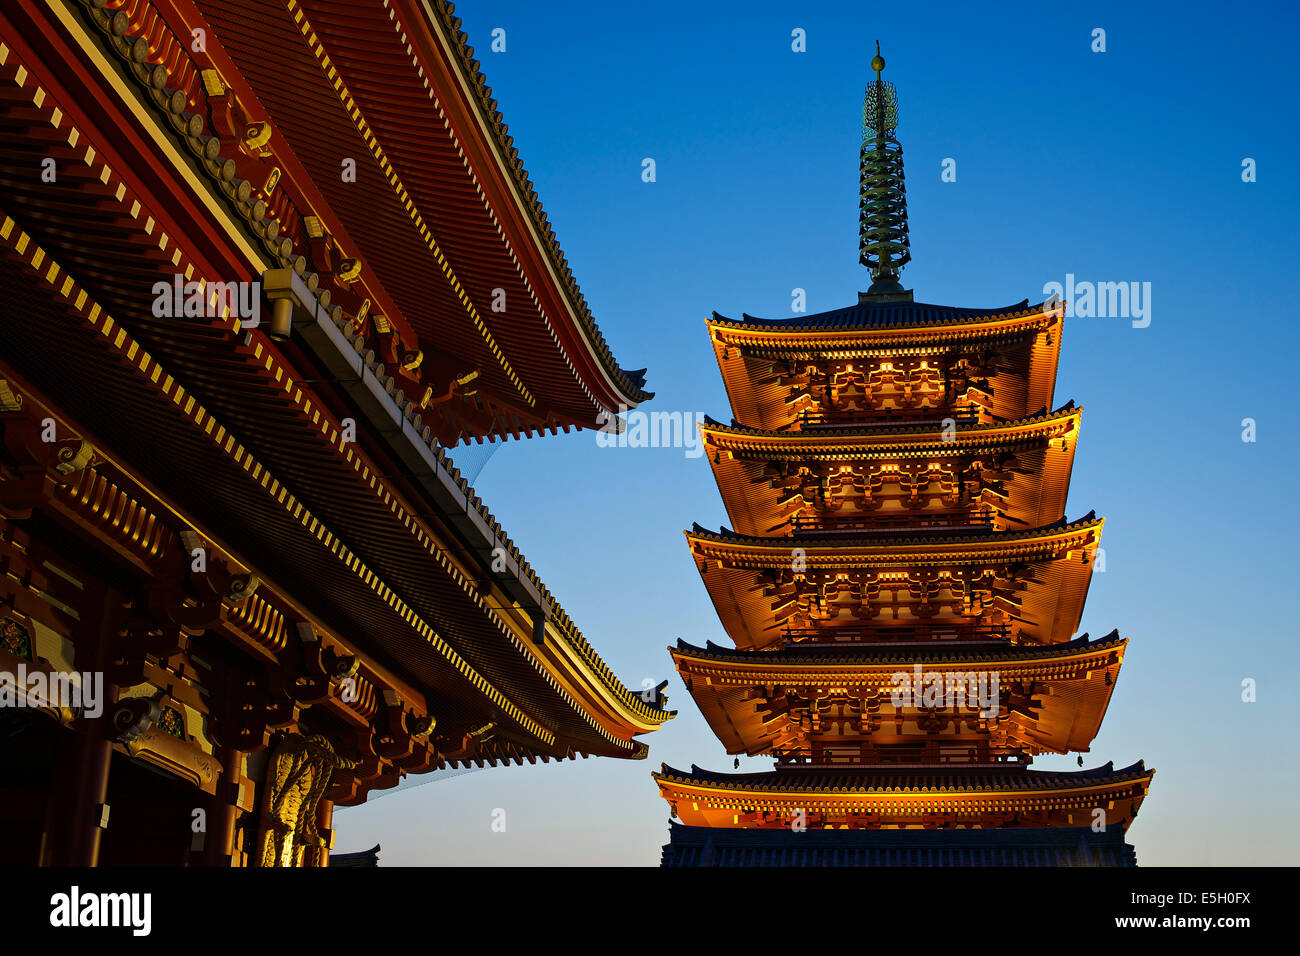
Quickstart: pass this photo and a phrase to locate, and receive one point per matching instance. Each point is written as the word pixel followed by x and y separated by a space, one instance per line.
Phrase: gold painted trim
pixel 399 191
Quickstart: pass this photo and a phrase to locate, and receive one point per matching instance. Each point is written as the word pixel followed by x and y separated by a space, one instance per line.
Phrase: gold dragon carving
pixel 297 776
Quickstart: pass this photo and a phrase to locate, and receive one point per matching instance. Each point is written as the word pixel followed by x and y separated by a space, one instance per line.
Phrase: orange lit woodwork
pixel 896 486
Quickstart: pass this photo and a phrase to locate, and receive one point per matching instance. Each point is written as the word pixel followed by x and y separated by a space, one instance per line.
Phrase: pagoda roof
pixel 892 546
pixel 968 778
pixel 847 654
pixel 743 694
pixel 974 795
pixel 760 501
pixel 883 436
pixel 1026 336
pixel 1044 590
pixel 873 315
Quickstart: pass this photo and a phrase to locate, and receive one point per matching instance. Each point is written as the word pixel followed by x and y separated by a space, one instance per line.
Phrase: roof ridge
pixel 787 774
pixel 904 314
pixel 726 534
pixel 631 381
pixel 909 650
pixel 857 429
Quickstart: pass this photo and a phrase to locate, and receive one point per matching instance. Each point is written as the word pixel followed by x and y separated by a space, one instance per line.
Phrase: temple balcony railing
pixel 813 419
pixel 851 634
pixel 909 758
pixel 865 522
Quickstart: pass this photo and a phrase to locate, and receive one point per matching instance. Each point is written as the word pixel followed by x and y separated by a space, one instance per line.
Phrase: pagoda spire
pixel 882 228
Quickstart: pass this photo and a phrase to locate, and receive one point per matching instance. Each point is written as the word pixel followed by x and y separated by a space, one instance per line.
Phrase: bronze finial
pixel 882 221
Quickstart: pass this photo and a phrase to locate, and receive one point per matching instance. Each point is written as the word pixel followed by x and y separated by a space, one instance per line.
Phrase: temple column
pixel 78 809
pixel 223 812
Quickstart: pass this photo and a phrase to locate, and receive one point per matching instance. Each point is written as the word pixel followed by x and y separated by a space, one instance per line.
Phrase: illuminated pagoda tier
pixel 248 523
pixel 1002 476
pixel 834 702
pixel 895 478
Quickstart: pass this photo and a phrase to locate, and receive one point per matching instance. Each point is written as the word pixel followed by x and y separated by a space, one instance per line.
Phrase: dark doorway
pixel 151 813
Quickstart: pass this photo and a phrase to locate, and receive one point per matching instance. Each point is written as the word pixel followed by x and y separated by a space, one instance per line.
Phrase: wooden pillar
pixel 223 813
pixel 78 808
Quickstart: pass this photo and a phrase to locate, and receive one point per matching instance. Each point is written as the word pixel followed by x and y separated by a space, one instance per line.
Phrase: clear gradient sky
pixel 1116 166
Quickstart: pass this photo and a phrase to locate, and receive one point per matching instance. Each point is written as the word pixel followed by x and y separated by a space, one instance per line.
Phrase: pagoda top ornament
pixel 882 222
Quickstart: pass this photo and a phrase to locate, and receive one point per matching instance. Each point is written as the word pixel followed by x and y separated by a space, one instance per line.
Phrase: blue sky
pixel 1116 166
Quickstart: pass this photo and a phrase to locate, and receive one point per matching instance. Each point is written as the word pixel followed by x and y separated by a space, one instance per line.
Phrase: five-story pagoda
pixel 900 583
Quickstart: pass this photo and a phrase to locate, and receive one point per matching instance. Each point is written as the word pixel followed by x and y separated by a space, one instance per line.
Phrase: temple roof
pixel 892 540
pixel 632 381
pixel 838 654
pixel 361 858
pixel 244 419
pixel 634 699
pixel 973 795
pixel 766 478
pixel 867 314
pixel 442 215
pixel 878 434
pixel 1023 341
pixel 745 695
pixel 1046 604
pixel 974 778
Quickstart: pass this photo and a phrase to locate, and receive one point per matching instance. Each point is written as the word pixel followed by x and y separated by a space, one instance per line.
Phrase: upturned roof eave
pixel 626 384
pixel 814 545
pixel 799 442
pixel 903 780
pixel 856 319
pixel 848 656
